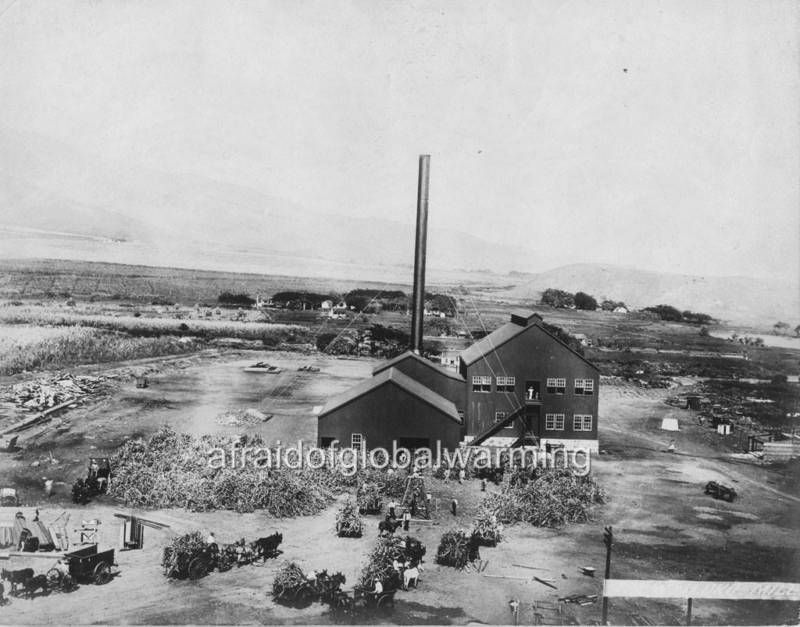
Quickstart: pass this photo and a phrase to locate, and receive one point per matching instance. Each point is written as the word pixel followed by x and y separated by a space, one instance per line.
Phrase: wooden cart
pixel 88 565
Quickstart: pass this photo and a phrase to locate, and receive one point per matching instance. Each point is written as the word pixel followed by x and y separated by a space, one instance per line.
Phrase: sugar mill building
pixel 519 385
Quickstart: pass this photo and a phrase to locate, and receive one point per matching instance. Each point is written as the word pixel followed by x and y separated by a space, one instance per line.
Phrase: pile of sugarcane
pixel 290 585
pixel 545 498
pixel 457 549
pixel 348 521
pixel 369 499
pixel 175 470
pixel 487 528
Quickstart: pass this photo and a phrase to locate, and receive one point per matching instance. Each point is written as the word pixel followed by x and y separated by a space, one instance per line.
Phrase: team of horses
pixel 25 581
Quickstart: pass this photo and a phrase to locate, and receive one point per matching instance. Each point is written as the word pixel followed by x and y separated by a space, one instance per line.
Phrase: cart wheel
pixel 53 577
pixel 102 573
pixel 198 567
pixel 385 600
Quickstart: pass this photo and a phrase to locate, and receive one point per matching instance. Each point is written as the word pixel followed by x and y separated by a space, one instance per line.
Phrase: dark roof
pixel 427 362
pixel 523 317
pixel 507 332
pixel 404 382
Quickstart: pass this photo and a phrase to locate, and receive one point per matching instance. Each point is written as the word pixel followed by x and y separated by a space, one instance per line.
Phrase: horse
pixel 389 526
pixel 267 546
pixel 35 583
pixel 16 577
pixel 411 575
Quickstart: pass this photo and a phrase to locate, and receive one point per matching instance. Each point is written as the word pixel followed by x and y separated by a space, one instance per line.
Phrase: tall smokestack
pixel 419 254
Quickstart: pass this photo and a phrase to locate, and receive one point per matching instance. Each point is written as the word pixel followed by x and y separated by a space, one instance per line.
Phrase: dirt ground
pixel 665 527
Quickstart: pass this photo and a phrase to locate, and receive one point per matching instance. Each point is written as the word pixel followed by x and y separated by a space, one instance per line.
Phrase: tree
pixel 557 298
pixel 780 327
pixel 584 301
pixel 666 312
pixel 797 330
pixel 236 300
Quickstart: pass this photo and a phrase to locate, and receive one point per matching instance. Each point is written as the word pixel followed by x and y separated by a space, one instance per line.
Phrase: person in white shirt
pixel 211 539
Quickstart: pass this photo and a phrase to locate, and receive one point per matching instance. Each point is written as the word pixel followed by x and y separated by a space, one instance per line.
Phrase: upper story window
pixel 582 422
pixel 500 416
pixel 481 384
pixel 556 385
pixel 506 384
pixel 584 386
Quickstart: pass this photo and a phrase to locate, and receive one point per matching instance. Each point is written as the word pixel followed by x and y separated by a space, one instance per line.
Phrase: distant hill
pixel 55 188
pixel 737 299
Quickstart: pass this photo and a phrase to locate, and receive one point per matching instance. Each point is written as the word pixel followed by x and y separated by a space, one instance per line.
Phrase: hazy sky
pixel 656 134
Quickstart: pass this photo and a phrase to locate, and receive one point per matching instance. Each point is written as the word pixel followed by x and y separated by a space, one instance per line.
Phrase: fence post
pixel 608 539
pixel 689 612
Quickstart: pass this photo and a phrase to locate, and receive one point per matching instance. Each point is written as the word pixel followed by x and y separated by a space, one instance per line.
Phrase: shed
pixel 390 407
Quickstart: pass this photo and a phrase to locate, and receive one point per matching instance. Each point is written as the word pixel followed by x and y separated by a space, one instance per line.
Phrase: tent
pixel 669 424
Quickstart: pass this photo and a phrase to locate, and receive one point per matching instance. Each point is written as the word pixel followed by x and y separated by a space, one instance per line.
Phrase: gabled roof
pixel 507 332
pixel 393 376
pixel 427 362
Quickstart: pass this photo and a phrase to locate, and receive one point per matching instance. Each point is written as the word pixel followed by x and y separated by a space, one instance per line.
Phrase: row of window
pixel 555 422
pixel 555 385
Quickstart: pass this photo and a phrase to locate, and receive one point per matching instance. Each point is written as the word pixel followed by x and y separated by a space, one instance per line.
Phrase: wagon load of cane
pixel 349 523
pixel 457 549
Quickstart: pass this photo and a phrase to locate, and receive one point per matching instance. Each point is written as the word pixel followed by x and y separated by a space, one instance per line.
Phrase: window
pixel 532 391
pixel 584 386
pixel 554 422
pixel 499 416
pixel 582 422
pixel 357 441
pixel 506 384
pixel 556 385
pixel 481 384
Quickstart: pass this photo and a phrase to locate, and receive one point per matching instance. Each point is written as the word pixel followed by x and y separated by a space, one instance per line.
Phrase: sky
pixel 654 134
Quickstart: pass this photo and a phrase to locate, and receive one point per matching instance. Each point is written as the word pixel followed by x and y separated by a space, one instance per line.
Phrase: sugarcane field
pixel 399 313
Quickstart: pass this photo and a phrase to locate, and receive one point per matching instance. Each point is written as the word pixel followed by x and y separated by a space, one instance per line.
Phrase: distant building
pixel 326 305
pixel 621 309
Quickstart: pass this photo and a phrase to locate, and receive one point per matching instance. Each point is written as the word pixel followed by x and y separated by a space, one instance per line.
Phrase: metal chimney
pixel 418 305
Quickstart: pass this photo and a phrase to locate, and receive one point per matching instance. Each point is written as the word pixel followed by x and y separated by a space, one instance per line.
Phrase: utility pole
pixel 608 540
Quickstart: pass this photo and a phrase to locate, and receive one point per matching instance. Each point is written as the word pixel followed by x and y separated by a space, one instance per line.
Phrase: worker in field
pixel 454 507
pixel 406 519
pixel 48 487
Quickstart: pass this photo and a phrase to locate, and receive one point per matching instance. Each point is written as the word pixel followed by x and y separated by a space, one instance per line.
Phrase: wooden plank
pixel 530 567
pixel 686 589
pixel 53 555
pixel 29 422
